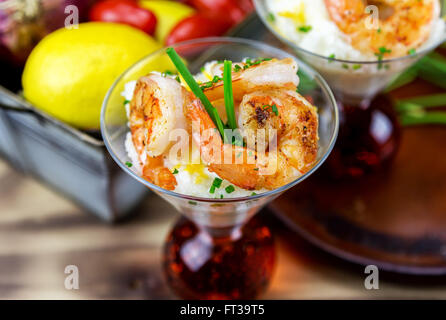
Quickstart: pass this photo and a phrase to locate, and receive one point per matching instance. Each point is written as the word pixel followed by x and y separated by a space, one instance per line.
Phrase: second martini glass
pixel 217 250
pixel 369 133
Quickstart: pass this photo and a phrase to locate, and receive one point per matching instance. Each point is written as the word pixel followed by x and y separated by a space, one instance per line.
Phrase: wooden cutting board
pixel 395 219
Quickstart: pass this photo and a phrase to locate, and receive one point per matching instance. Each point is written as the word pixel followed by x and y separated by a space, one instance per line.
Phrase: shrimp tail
pixel 155 172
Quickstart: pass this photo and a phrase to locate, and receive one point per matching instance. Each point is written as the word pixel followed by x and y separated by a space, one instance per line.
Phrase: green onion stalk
pixel 195 88
pixel 416 110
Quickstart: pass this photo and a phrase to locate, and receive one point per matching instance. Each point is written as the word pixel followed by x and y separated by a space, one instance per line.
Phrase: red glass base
pixel 233 263
pixel 369 137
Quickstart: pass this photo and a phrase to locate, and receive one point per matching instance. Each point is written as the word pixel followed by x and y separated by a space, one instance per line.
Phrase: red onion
pixel 23 23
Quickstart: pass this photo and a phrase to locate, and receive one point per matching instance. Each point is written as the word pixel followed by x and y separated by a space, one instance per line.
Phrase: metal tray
pixel 73 162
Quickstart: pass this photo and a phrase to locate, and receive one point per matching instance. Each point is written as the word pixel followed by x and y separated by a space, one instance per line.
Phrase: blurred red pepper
pixel 197 26
pixel 228 10
pixel 124 11
pixel 246 5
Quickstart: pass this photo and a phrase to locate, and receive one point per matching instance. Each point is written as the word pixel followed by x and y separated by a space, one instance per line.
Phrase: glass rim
pixel 323 84
pixel 294 46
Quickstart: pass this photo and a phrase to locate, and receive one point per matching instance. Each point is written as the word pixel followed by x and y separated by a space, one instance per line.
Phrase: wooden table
pixel 41 233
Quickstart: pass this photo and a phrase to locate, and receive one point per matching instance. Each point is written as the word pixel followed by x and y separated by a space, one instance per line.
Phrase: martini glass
pixel 216 250
pixel 369 133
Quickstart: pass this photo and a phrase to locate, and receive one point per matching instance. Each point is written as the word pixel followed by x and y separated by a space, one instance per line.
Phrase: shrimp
pixel 260 75
pixel 404 24
pixel 286 116
pixel 155 110
pixel 296 124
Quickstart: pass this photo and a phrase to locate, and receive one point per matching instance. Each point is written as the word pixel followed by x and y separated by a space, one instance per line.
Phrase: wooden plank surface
pixel 41 233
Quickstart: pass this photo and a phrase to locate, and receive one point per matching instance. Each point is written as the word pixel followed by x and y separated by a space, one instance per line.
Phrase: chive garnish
pixel 380 55
pixel 217 182
pixel 195 88
pixel 305 28
pixel 175 171
pixel 270 17
pixel 228 95
pixel 209 84
pixel 384 50
pixel 167 73
pixel 249 63
pixel 230 189
pixel 215 185
pixel 126 101
pixel 129 164
pixel 253 194
pixel 273 108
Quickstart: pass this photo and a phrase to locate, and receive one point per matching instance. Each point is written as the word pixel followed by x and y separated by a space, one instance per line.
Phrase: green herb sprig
pixel 412 52
pixel 304 29
pixel 380 54
pixel 270 17
pixel 195 88
pixel 417 110
pixel 412 119
pixel 228 94
pixel 272 107
pixel 210 83
pixel 427 101
pixel 248 63
pixel 215 185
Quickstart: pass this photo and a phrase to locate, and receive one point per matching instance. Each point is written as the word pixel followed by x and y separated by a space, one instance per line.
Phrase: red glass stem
pixel 369 138
pixel 229 263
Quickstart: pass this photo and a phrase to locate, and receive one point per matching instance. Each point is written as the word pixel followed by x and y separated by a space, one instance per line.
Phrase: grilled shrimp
pixel 155 110
pixel 279 74
pixel 296 124
pixel 283 115
pixel 404 24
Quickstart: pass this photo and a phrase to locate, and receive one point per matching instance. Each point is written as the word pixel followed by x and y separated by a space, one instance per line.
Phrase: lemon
pixel 168 14
pixel 70 71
